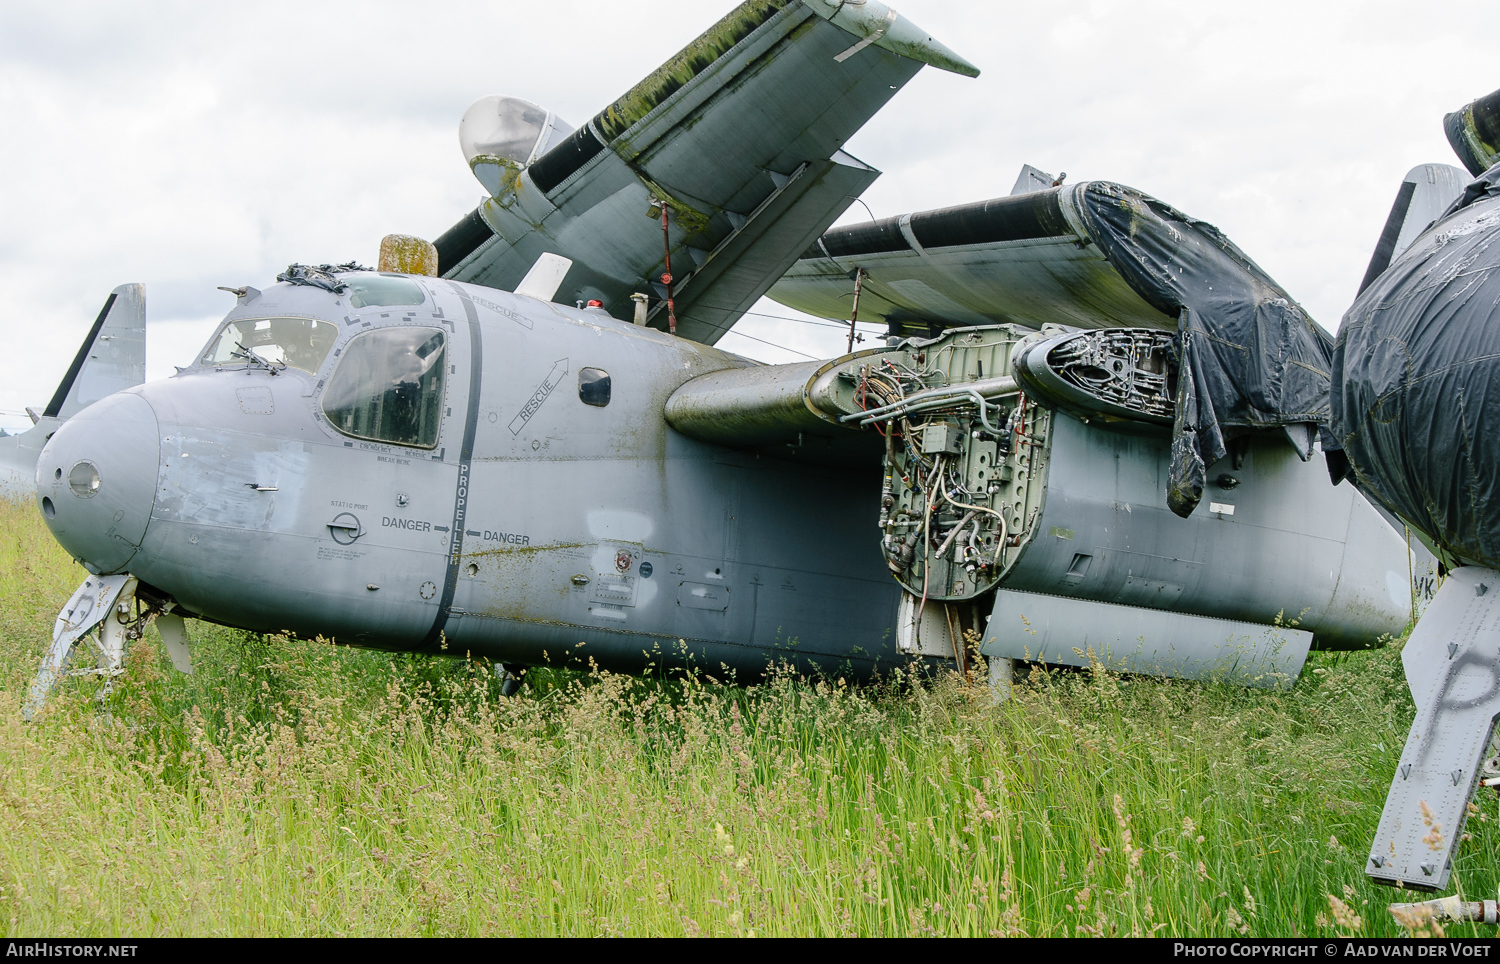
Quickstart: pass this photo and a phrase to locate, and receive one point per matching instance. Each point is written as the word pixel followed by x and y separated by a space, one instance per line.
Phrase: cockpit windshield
pixel 278 342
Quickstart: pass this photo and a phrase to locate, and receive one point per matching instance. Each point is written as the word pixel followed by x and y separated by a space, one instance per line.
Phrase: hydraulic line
pixel 1004 529
pixel 926 541
pixel 996 387
pixel 956 530
pixel 666 278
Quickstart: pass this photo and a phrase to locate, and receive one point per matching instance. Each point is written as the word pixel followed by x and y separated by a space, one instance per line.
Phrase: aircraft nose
pixel 96 481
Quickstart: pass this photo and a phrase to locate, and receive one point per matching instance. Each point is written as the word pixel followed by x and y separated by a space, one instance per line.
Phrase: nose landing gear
pixel 109 604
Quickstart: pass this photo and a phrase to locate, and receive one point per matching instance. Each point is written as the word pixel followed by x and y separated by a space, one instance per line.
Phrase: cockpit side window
pixel 388 387
pixel 294 342
pixel 380 290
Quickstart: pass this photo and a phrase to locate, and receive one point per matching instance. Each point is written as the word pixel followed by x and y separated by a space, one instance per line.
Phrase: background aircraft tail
pixel 1425 193
pixel 112 357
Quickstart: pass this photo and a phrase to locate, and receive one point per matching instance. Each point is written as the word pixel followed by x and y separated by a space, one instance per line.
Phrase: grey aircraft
pixel 519 443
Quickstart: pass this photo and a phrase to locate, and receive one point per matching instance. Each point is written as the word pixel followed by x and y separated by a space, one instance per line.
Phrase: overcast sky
pixel 189 145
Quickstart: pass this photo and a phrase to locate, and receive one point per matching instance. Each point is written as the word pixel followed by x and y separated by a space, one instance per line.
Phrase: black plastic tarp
pixel 1249 357
pixel 1416 380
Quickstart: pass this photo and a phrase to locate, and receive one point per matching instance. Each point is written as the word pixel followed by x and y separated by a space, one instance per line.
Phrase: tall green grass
pixel 295 788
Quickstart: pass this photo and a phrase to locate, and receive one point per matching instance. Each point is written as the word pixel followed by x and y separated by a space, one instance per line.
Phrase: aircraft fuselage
pixel 528 526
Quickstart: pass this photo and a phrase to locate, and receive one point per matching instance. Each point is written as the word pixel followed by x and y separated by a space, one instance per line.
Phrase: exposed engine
pixel 962 444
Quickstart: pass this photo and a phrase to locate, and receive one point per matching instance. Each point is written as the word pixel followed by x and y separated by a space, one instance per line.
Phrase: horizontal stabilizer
pixel 111 359
pixel 1452 663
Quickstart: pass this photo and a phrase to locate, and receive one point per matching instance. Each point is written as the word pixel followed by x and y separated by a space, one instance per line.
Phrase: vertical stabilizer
pixel 1424 195
pixel 1031 179
pixel 112 358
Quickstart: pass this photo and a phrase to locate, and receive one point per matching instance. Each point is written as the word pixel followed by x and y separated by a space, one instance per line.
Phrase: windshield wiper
pixel 249 353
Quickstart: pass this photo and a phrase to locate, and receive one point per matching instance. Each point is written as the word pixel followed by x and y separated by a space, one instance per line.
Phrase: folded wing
pixel 738 137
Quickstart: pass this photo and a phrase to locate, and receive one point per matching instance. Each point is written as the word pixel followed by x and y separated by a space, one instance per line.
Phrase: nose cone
pixel 96 481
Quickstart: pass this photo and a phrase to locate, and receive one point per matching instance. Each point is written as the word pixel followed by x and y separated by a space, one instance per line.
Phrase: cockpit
pixel 303 343
pixel 387 383
pixel 300 343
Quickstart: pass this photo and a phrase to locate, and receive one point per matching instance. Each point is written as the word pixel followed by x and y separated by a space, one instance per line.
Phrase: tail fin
pixel 112 358
pixel 1425 193
pixel 1032 179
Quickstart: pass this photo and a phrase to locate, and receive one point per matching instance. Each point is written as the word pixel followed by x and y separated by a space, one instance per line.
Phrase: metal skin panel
pixel 111 359
pixel 1073 632
pixel 758 405
pixel 771 106
pixel 1030 282
pixel 245 497
pixel 716 148
pixel 563 494
pixel 1452 663
pixel 537 522
pixel 1285 542
pixel 18 455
